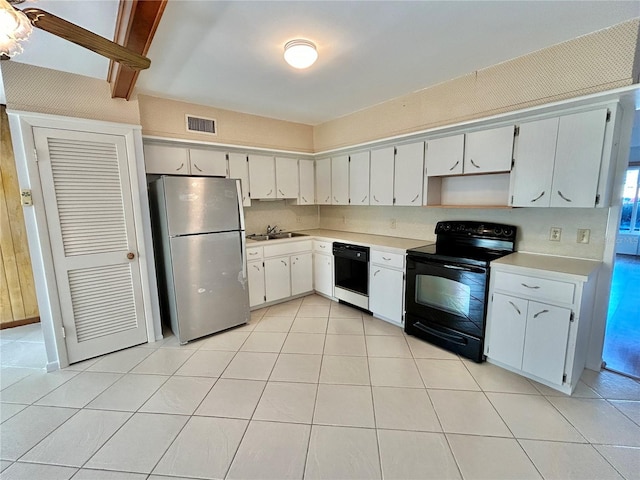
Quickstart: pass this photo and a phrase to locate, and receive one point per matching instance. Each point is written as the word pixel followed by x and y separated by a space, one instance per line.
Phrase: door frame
pixel 21 125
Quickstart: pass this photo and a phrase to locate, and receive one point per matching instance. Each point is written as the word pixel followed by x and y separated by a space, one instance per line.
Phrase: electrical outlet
pixel 583 235
pixel 555 233
pixel 393 223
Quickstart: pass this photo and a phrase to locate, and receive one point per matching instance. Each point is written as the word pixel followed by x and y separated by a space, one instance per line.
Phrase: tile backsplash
pixel 277 212
pixel 533 225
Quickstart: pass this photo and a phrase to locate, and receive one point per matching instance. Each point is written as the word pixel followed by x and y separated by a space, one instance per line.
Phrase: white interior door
pixel 89 209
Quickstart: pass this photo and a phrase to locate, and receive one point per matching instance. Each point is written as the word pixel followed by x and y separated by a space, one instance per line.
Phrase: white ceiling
pixel 228 54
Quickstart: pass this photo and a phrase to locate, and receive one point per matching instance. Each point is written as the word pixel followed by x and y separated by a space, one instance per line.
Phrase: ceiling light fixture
pixel 300 53
pixel 15 27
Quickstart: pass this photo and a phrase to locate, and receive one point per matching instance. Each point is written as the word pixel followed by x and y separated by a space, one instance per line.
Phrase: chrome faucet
pixel 272 230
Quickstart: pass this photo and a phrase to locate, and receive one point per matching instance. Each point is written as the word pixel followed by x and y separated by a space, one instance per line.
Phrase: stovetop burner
pixel 468 242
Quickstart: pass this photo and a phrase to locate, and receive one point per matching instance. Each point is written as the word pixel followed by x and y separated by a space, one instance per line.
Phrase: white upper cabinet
pixel 306 195
pixel 323 181
pixel 578 155
pixel 286 178
pixel 408 179
pixel 381 187
pixel 489 150
pixel 445 156
pixel 166 159
pixel 558 161
pixel 359 179
pixel 262 176
pixel 340 180
pixel 208 162
pixel 533 170
pixel 239 168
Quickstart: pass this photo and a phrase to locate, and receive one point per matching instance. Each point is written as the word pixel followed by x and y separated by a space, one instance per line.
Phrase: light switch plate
pixel 555 233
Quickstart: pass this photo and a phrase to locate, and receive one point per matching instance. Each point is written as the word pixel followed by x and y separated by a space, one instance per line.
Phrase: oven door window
pixel 444 294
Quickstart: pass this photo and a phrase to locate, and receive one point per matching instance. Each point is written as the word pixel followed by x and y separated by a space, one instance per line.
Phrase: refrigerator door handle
pixel 240 211
pixel 243 252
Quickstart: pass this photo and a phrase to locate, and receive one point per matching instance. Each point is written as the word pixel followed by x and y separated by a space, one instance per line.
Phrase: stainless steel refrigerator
pixel 199 245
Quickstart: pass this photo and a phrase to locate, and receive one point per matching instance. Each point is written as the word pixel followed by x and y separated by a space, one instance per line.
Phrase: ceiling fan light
pixel 14 28
pixel 300 53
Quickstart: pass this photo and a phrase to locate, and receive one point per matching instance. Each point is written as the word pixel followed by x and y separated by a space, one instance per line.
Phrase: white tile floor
pixel 309 389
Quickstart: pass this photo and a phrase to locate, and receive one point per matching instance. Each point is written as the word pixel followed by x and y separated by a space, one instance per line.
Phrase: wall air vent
pixel 201 125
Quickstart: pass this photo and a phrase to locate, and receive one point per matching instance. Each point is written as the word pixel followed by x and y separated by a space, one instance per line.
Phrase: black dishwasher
pixel 351 269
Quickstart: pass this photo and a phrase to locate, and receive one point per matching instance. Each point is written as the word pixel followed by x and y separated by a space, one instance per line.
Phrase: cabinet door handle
pixel 253 253
pixel 322 246
pixel 337 201
pixel 456 164
pixel 256 267
pixel 269 192
pixel 285 263
pixel 304 199
pixel 326 200
pixel 415 198
pixel 534 287
pixel 540 313
pixel 281 192
pixel 374 197
pixel 363 199
pixel 385 258
pixel 180 167
pixel 376 272
pixel 538 197
pixel 563 197
pixel 197 167
pixel 474 163
pixel 516 307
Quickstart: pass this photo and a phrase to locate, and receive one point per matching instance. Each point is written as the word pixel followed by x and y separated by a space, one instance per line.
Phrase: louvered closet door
pixel 88 203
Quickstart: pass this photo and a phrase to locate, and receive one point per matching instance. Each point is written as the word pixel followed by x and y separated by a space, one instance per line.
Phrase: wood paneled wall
pixel 18 303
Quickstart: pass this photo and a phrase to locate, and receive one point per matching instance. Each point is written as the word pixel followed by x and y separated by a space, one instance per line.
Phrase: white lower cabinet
pixel 323 268
pixel 277 278
pixel 539 320
pixel 301 273
pixel 278 271
pixel 386 286
pixel 255 276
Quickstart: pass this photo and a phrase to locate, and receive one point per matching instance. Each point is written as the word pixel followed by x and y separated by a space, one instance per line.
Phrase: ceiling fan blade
pixel 80 36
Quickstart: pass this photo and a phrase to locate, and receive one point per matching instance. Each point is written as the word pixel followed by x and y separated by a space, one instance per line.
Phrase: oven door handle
pixel 466 269
pixel 457 339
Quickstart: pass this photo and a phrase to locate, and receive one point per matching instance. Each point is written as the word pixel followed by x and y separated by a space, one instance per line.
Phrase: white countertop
pixel 381 242
pixel 578 268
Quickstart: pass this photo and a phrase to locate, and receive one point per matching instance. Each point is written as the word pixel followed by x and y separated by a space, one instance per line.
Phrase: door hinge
pixel 511 199
pixel 597 199
pixel 64 334
pixel 394 200
pixel 513 162
pixel 572 317
pixel 608 115
pixel 247 158
pixel 349 200
pixel 262 264
pixel 395 151
pixel 226 156
pixel 564 378
pixel 349 158
pixel 516 131
pixel 265 298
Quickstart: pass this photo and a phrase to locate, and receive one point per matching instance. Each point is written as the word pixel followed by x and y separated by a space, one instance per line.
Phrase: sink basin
pixel 287 235
pixel 275 236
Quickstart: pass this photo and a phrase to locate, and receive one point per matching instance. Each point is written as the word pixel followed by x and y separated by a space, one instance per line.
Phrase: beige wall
pixel 166 118
pixel 595 62
pixel 41 90
pixel 278 213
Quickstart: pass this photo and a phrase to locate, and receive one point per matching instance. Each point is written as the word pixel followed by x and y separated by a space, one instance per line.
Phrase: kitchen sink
pixel 275 236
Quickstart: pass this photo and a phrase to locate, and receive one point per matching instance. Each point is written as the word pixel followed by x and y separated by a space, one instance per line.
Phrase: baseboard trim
pixel 19 323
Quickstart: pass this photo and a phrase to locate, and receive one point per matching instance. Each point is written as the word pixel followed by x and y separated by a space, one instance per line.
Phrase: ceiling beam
pixel 135 27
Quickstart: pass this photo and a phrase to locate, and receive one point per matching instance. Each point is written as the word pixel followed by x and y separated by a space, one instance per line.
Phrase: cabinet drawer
pixel 254 253
pixel 552 291
pixel 394 260
pixel 323 247
pixel 288 248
